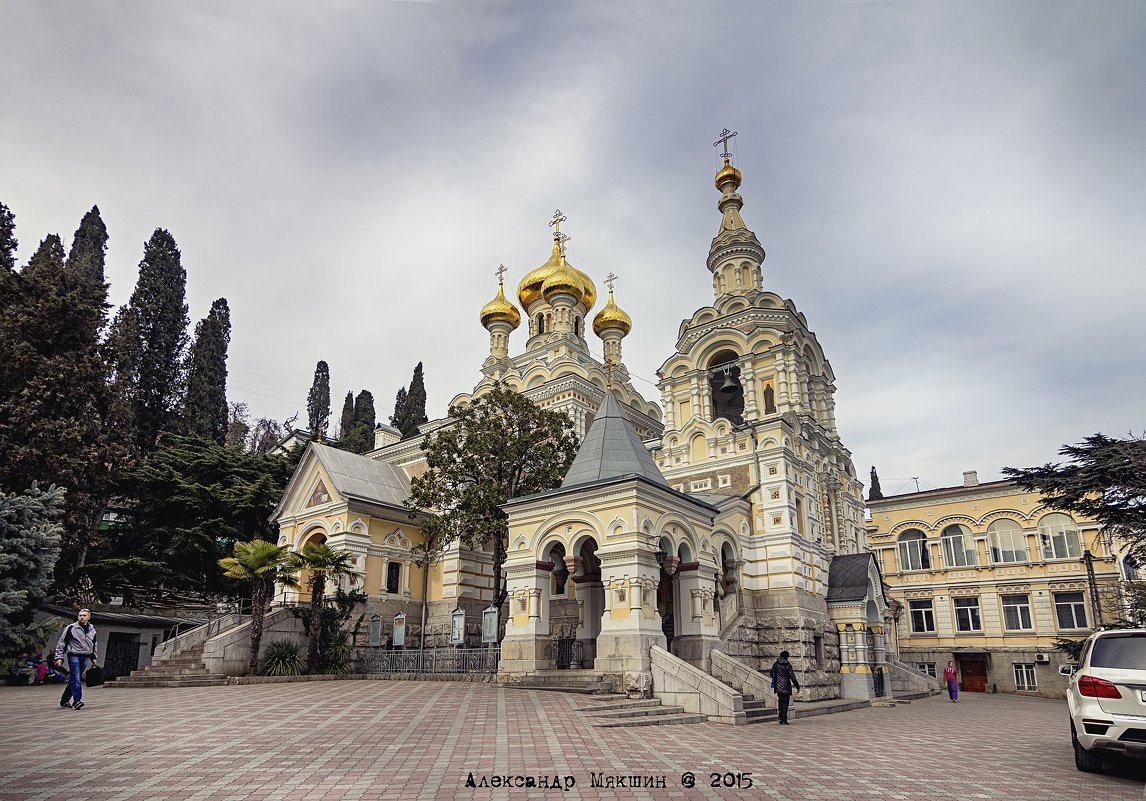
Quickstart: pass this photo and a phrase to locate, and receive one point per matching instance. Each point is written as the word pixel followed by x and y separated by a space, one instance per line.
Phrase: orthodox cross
pixel 609 279
pixel 725 135
pixel 561 240
pixel 558 218
pixel 500 273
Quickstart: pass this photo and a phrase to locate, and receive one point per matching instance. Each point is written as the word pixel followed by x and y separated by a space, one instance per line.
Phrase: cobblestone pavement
pixel 421 740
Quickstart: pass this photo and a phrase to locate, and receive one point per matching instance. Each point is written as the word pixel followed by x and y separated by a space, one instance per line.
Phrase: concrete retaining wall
pixel 743 678
pixel 677 683
pixel 228 653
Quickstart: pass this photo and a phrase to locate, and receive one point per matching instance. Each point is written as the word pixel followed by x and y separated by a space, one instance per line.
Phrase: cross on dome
pixel 725 135
pixel 558 218
pixel 500 271
pixel 609 279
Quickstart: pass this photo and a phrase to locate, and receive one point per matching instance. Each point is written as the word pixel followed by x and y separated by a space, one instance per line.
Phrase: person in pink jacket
pixel 951 676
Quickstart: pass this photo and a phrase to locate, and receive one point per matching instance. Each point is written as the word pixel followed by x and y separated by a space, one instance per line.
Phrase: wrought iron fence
pixel 566 653
pixel 434 660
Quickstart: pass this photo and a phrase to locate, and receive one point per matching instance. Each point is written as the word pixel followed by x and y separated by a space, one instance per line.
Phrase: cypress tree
pixel 399 410
pixel 148 340
pixel 54 396
pixel 410 406
pixel 318 400
pixel 7 241
pixel 205 405
pixel 364 410
pixel 346 423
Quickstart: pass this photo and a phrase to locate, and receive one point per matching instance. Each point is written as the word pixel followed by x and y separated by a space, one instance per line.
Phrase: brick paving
pixel 421 740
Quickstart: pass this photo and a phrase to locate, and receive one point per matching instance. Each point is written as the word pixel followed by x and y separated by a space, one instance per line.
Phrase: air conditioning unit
pixel 1042 657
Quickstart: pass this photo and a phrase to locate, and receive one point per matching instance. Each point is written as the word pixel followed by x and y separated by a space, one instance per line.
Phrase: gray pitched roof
pixel 361 478
pixel 612 449
pixel 847 577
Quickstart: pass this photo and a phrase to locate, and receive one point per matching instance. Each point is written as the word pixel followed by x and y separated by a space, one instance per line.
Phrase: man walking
pixel 78 645
pixel 783 680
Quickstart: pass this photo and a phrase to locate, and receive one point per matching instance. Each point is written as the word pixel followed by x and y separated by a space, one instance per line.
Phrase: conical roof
pixel 612 449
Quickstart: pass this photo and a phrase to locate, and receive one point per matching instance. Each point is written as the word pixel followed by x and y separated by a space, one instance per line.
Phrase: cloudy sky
pixel 954 194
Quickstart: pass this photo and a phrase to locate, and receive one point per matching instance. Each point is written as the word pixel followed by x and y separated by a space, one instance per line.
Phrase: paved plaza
pixel 423 740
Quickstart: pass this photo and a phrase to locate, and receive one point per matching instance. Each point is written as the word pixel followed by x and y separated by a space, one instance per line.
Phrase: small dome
pixel 500 310
pixel 530 288
pixel 728 174
pixel 612 316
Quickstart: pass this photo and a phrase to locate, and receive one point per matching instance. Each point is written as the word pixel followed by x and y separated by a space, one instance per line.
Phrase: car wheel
pixel 1088 761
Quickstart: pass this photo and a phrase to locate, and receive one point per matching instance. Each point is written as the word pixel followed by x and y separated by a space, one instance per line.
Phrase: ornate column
pixel 525 648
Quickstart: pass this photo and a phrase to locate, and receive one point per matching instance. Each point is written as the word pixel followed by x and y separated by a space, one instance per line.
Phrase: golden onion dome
pixel 612 316
pixel 530 288
pixel 728 173
pixel 563 281
pixel 500 310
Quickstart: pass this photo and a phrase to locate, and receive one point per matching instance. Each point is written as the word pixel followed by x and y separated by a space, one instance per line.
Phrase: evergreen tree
pixel 54 398
pixel 30 544
pixel 875 493
pixel 205 404
pixel 7 242
pixel 399 410
pixel 1104 479
pixel 193 499
pixel 318 400
pixel 410 406
pixel 148 339
pixel 346 423
pixel 359 437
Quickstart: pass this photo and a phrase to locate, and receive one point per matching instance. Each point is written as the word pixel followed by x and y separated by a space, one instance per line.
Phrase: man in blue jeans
pixel 78 645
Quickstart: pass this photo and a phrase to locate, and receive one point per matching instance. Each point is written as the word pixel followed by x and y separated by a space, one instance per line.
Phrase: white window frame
pixel 926 667
pixel 916 547
pixel 1006 545
pixel 968 617
pixel 959 548
pixel 1026 680
pixel 1059 537
pixel 1017 610
pixel 926 615
pixel 1077 610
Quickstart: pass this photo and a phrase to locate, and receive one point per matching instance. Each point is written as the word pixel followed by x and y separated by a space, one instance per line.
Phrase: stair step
pixel 644 712
pixel 613 706
pixel 667 720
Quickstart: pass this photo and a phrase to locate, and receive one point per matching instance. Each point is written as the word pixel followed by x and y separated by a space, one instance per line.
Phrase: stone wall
pixel 677 683
pixel 789 620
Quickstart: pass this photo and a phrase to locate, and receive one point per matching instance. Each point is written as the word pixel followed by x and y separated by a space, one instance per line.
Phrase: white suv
pixel 1107 697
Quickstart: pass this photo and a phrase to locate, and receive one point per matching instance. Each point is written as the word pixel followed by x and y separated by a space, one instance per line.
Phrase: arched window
pixel 959 547
pixel 1007 542
pixel 913 551
pixel 725 388
pixel 541 323
pixel 577 325
pixel 1058 537
pixel 393 577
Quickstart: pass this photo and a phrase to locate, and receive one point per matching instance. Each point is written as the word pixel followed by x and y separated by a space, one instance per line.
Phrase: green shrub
pixel 284 658
pixel 337 654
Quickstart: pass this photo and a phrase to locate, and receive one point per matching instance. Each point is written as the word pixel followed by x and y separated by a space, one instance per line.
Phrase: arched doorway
pixel 589 595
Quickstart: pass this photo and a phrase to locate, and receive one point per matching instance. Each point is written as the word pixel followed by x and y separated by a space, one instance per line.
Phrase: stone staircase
pixel 584 682
pixel 184 668
pixel 617 711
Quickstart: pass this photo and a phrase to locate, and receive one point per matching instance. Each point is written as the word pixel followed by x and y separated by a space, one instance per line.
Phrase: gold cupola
pixel 612 316
pixel 530 288
pixel 728 175
pixel 500 310
pixel 563 281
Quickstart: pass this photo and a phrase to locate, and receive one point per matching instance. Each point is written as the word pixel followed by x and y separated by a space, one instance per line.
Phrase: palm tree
pixel 262 564
pixel 323 563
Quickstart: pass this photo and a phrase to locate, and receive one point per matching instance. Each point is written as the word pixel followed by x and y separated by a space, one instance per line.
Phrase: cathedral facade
pixel 731 520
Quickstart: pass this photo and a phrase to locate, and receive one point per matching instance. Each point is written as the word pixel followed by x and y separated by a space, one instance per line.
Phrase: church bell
pixel 729 385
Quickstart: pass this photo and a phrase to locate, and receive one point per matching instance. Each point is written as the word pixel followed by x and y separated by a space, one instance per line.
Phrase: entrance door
pixel 974 676
pixel 122 655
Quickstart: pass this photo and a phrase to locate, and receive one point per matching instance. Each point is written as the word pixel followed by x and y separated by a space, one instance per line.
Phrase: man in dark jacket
pixel 77 645
pixel 783 680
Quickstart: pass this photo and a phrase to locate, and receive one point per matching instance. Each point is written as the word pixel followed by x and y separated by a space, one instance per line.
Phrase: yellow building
pixel 987 576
